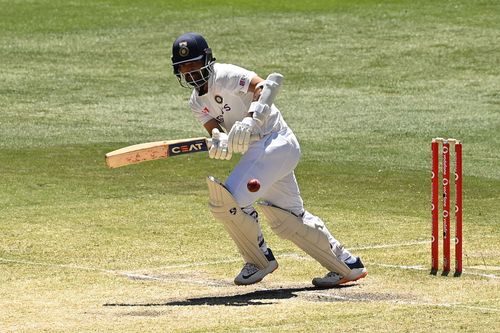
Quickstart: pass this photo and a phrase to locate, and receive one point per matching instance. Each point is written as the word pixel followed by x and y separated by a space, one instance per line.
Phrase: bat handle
pixel 253 138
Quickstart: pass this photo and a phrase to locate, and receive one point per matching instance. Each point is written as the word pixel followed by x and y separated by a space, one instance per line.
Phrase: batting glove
pixel 240 134
pixel 219 149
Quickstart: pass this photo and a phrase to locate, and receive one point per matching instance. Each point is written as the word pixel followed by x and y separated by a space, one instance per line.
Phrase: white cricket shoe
pixel 332 279
pixel 251 274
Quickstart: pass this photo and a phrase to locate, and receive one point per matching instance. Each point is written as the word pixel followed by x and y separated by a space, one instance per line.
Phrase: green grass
pixel 367 85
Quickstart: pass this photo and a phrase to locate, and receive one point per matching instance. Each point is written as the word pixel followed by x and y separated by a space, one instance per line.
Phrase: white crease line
pixel 415 267
pixel 83 268
pixel 226 261
pixel 77 267
pixel 420 268
pixel 216 262
pixel 132 276
pixel 198 264
pixel 388 246
pixel 291 255
pixel 136 276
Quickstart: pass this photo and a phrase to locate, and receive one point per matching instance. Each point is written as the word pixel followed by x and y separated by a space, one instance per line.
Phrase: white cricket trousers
pixel 272 161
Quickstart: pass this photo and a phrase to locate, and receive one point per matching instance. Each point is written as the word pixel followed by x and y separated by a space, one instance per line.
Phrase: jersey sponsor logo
pixel 187 147
pixel 218 99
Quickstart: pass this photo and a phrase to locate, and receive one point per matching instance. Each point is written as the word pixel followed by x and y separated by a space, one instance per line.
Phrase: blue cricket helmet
pixel 190 47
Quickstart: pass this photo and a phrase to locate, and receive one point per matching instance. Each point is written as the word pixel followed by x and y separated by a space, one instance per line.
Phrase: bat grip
pixel 253 138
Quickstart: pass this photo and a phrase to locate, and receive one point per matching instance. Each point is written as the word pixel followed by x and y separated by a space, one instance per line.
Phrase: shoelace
pixel 333 274
pixel 250 268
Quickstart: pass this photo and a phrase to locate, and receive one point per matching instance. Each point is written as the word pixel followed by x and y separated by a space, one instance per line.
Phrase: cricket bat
pixel 156 150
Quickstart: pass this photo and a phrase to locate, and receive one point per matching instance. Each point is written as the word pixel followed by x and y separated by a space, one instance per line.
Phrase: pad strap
pixel 310 236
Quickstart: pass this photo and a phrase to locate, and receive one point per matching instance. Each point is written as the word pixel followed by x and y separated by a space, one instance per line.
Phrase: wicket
pixel 446 205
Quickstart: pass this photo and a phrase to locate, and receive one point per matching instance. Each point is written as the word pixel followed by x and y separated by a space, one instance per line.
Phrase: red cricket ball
pixel 253 185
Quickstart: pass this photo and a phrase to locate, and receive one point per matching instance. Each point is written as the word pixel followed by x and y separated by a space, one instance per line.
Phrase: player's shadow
pixel 259 297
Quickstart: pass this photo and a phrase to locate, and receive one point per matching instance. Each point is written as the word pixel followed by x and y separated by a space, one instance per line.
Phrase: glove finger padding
pixel 219 149
pixel 215 143
pixel 245 141
pixel 239 137
pixel 217 153
pixel 233 138
pixel 226 153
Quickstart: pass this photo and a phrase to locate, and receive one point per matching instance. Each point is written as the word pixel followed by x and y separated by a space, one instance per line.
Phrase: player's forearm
pixel 211 124
pixel 256 90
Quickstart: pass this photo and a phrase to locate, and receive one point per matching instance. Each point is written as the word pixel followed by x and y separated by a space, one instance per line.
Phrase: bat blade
pixel 151 151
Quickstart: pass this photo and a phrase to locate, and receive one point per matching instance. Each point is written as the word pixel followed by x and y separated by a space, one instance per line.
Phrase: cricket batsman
pixel 236 108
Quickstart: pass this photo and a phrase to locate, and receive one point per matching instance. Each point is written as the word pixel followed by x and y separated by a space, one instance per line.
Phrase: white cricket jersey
pixel 228 99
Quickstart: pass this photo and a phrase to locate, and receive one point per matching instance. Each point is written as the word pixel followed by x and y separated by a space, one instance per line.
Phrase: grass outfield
pixel 367 85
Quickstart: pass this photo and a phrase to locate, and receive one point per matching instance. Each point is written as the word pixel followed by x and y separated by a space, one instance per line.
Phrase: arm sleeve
pixel 235 78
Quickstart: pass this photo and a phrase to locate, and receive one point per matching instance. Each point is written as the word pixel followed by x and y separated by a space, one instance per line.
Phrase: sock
pixel 350 260
pixel 262 243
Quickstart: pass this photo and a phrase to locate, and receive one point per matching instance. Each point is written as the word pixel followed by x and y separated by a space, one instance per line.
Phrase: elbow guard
pixel 270 88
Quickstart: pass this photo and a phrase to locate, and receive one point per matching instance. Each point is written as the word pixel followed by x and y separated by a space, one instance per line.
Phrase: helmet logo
pixel 183 49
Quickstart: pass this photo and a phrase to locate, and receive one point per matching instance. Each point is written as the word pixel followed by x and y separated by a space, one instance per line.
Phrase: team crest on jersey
pixel 218 99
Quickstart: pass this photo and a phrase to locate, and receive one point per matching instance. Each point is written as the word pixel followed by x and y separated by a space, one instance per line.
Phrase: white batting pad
pixel 243 228
pixel 310 235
